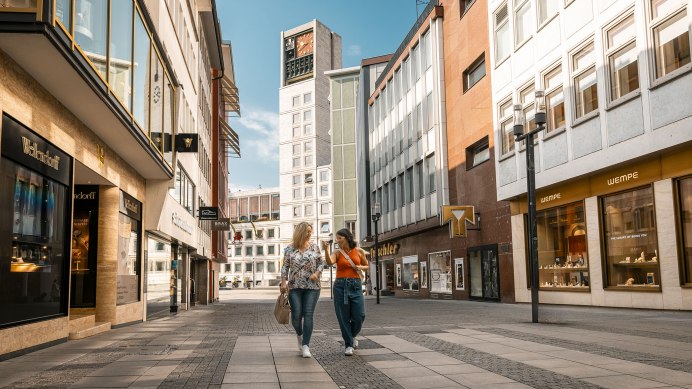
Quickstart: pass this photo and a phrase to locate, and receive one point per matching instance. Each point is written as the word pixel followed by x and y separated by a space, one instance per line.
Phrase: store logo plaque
pixel 223 224
pixel 457 216
pixel 208 213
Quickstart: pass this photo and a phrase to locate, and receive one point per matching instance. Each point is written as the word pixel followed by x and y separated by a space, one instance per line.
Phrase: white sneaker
pixel 355 343
pixel 306 352
pixel 300 342
pixel 348 351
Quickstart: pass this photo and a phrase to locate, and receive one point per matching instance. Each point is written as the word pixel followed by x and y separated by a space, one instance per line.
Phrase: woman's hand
pixel 282 287
pixel 314 277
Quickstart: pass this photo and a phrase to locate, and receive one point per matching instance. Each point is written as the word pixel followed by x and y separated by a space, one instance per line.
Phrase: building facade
pixel 613 163
pixel 483 256
pixel 408 163
pixel 343 95
pixel 255 249
pixel 88 154
pixel 304 118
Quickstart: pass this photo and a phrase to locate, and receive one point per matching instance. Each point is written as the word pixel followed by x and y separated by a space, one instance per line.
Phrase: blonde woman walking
pixel 300 275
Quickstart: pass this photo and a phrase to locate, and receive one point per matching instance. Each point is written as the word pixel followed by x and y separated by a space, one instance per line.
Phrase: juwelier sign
pixel 208 213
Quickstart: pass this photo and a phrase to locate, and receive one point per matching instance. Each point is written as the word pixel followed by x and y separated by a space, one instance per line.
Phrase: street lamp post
pixel 376 218
pixel 519 120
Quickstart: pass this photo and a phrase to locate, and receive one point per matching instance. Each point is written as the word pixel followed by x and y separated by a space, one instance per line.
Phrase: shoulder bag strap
pixel 353 265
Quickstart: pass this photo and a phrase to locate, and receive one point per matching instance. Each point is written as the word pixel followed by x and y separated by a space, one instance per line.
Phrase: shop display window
pixel 685 215
pixel 631 251
pixel 33 248
pixel 440 272
pixel 159 269
pixel 411 276
pixel 129 237
pixel 562 254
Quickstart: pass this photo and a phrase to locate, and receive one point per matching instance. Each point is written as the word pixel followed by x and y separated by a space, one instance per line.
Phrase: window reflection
pixel 141 74
pixel 121 51
pixel 91 31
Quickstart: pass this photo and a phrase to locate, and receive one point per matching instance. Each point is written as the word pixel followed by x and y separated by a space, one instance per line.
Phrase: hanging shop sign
pixel 208 213
pixel 186 143
pixel 457 216
pixel 223 224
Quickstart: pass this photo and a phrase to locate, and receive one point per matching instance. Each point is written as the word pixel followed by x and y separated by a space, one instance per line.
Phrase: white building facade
pixel 614 186
pixel 255 249
pixel 305 144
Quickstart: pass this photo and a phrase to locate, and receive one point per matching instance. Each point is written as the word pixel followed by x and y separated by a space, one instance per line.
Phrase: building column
pixel 107 254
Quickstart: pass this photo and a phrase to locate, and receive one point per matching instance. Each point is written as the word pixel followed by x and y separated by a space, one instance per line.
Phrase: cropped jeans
pixel 303 302
pixel 349 307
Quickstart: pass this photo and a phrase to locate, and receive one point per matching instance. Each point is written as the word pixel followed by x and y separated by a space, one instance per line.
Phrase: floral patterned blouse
pixel 298 267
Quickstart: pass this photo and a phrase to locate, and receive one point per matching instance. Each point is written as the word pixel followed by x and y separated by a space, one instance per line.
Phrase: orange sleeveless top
pixel 343 266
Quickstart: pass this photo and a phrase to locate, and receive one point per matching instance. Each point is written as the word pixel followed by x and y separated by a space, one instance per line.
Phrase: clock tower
pixel 307 52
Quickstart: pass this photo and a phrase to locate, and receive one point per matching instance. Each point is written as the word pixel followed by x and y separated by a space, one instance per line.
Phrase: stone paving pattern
pixel 406 343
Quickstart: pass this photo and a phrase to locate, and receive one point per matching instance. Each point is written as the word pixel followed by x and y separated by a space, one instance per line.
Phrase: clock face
pixel 304 44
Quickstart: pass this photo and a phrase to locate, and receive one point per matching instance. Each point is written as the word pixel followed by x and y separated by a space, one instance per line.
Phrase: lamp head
pixel 519 120
pixel 376 210
pixel 540 107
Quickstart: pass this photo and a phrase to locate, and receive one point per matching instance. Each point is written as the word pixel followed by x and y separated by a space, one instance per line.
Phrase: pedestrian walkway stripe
pixel 516 371
pixel 612 352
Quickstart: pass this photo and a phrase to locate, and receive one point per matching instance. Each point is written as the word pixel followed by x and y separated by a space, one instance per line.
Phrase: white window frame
pixel 656 21
pixel 540 4
pixel 296 101
pixel 578 73
pixel 503 23
pixel 307 115
pixel 506 126
pixel 295 118
pixel 307 98
pixel 554 90
pixel 529 29
pixel 613 51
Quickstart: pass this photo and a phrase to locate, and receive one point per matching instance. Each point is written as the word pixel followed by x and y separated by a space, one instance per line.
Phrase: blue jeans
pixel 303 302
pixel 349 307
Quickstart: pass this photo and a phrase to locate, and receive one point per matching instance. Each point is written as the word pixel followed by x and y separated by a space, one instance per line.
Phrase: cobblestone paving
pixel 349 372
pixel 206 367
pixel 612 352
pixel 517 371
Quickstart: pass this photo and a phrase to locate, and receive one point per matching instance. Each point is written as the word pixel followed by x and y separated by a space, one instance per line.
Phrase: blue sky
pixel 368 28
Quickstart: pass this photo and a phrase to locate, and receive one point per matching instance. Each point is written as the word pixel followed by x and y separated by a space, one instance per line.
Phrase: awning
pixel 231 141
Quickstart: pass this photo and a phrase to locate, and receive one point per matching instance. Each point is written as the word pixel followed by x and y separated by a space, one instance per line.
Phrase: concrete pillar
pixel 107 254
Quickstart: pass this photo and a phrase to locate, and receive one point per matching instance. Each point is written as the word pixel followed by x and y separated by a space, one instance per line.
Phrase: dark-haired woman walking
pixel 348 293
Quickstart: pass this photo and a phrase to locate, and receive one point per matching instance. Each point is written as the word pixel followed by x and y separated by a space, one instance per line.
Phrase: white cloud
pixel 353 50
pixel 264 124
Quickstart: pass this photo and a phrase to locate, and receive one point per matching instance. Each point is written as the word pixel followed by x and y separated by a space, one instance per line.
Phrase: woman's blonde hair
pixel 301 234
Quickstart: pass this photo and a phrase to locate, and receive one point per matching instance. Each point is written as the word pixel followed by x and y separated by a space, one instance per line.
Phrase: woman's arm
pixel 364 264
pixel 284 271
pixel 319 265
pixel 330 258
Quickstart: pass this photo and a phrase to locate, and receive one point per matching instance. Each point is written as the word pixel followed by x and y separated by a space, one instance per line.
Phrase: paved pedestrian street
pixel 406 343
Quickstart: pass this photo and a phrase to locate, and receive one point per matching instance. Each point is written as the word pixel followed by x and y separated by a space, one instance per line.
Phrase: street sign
pixel 208 213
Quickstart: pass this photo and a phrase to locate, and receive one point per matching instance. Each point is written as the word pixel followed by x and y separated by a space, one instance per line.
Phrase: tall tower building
pixel 307 51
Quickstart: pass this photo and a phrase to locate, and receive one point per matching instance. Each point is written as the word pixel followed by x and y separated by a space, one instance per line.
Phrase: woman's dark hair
pixel 349 237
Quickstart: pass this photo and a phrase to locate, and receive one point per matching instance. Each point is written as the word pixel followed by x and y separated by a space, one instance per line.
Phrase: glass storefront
pixel 129 236
pixel 562 254
pixel 35 203
pixel 440 272
pixel 685 212
pixel 411 277
pixel 630 239
pixel 84 246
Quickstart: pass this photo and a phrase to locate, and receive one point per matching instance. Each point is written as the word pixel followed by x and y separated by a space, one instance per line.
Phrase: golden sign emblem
pixel 101 155
pixel 457 216
pixel 188 143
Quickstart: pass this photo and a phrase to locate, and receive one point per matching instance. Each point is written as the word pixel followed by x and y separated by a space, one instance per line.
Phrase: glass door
pixel 484 281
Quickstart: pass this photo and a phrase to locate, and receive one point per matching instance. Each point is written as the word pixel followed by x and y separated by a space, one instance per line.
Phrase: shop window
pixel 33 283
pixel 685 209
pixel 440 272
pixel 584 79
pixel 630 239
pixel 562 254
pixel 129 237
pixel 622 53
pixel 410 273
pixel 671 43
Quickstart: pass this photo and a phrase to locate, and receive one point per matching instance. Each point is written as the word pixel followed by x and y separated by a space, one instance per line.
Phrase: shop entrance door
pixel 484 273
pixel 84 246
pixel 388 276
